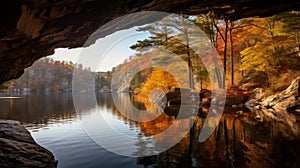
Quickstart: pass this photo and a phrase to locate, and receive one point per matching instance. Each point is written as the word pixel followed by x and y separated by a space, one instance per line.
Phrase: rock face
pixel 278 105
pixel 33 29
pixel 254 80
pixel 18 149
pixel 287 99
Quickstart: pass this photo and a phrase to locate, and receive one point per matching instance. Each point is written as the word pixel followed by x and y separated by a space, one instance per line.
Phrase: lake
pixel 238 141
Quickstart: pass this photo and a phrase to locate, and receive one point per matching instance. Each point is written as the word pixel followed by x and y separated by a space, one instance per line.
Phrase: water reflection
pixel 39 109
pixel 238 141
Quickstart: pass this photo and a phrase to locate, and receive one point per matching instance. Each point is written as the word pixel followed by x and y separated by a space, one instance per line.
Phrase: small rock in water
pixel 239 112
pixel 237 106
pixel 259 118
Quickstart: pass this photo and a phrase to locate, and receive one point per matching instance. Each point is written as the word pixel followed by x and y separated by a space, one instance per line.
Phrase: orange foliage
pixel 159 79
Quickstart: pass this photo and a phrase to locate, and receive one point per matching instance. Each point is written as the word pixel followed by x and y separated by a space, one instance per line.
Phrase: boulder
pixel 182 96
pixel 254 79
pixel 174 97
pixel 287 99
pixel 18 149
pixel 205 95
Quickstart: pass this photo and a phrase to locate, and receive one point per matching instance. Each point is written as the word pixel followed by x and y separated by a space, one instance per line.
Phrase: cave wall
pixel 31 29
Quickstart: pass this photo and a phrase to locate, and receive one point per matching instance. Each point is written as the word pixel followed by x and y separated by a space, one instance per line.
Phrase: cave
pixel 33 29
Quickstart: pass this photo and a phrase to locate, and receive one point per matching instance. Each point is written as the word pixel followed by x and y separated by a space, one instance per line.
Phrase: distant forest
pixel 48 75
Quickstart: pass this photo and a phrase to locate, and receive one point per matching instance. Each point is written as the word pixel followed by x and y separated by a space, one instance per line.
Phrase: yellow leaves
pixel 158 79
pixel 266 54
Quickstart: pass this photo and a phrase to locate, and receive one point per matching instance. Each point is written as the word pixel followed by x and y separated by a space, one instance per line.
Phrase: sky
pixel 106 53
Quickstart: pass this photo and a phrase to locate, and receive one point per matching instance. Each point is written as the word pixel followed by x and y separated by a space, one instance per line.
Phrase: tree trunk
pixel 201 84
pixel 216 41
pixel 191 78
pixel 225 53
pixel 219 77
pixel 231 53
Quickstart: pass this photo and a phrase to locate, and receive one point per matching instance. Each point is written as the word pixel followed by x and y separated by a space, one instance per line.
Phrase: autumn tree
pixel 159 79
pixel 270 49
pixel 176 34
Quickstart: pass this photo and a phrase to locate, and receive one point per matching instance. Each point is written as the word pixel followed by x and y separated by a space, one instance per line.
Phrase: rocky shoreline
pixel 283 106
pixel 288 99
pixel 18 148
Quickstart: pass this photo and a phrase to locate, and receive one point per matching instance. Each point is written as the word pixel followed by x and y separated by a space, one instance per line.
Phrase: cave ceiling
pixel 31 29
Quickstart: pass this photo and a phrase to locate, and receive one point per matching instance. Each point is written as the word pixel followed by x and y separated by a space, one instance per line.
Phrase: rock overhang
pixel 33 29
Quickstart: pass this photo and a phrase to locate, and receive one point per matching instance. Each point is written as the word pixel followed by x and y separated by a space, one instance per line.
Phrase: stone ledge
pixel 18 149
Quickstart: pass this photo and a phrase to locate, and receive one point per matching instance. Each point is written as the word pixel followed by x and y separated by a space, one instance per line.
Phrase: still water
pixel 238 141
